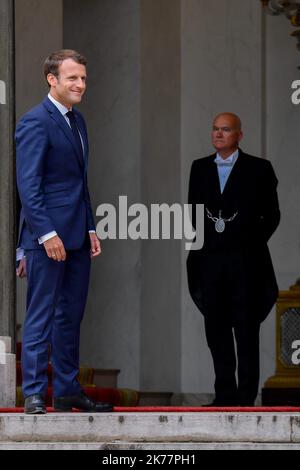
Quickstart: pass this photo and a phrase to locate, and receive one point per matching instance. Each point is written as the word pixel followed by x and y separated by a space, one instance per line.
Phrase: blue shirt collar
pixel 229 160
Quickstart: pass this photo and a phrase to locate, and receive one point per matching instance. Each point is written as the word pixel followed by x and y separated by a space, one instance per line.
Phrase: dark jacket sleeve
pixel 90 217
pixel 270 215
pixel 31 146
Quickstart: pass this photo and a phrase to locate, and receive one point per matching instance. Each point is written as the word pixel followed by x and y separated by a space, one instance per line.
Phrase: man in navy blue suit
pixel 57 233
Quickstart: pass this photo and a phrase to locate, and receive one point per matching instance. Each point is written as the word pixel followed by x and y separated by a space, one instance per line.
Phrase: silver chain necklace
pixel 220 221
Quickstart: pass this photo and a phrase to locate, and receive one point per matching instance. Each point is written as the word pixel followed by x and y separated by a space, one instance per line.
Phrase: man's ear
pixel 51 79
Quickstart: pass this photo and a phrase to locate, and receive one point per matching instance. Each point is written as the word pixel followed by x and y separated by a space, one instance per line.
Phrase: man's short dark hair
pixel 55 59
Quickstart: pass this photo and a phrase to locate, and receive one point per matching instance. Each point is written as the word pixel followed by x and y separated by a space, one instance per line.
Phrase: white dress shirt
pixel 225 167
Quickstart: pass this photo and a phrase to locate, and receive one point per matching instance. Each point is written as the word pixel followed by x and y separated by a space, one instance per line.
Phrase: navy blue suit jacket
pixel 52 178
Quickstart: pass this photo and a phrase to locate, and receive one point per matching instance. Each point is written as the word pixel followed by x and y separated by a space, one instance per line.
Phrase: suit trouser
pixel 229 313
pixel 56 298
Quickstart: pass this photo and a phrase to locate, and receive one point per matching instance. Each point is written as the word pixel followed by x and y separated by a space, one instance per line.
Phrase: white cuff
pixel 46 237
pixel 19 254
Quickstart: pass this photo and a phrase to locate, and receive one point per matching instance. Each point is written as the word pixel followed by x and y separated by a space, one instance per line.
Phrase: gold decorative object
pixel 284 387
pixel 290 9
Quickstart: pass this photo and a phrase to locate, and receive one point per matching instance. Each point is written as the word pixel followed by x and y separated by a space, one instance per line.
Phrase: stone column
pixel 7 207
pixel 7 172
pixel 160 183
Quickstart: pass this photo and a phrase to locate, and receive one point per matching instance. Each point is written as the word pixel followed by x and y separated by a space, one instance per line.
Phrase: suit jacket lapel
pixel 60 120
pixel 213 177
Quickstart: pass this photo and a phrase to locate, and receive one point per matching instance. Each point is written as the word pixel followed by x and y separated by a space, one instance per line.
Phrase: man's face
pixel 69 87
pixel 226 134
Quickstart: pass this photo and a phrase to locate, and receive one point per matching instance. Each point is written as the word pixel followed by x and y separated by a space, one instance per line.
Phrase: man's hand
pixel 21 269
pixel 95 245
pixel 55 249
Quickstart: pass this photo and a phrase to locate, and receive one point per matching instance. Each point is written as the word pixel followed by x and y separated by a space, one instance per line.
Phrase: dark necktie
pixel 76 134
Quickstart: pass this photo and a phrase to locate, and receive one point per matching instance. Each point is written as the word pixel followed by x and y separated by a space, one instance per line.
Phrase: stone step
pixel 155 430
pixel 116 446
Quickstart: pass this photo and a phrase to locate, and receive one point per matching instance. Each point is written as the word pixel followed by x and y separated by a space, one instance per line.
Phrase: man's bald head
pixel 234 118
pixel 226 133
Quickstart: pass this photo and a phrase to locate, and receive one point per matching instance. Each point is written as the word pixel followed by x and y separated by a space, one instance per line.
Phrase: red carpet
pixel 182 409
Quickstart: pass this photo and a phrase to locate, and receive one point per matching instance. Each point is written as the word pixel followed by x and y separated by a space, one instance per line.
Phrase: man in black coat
pixel 231 279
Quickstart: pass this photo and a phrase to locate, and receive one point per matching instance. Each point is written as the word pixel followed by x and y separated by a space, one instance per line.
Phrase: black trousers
pixel 229 309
